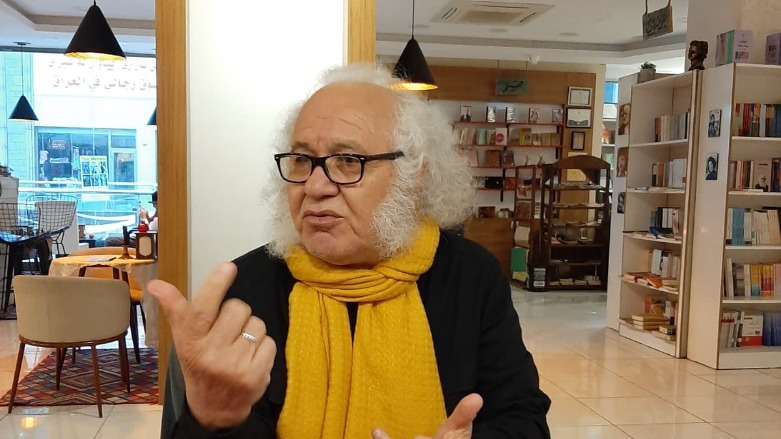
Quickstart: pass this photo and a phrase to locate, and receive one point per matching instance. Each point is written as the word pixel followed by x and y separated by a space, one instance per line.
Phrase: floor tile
pixel 141 424
pixel 768 398
pixel 725 407
pixel 566 412
pixel 752 430
pixel 621 411
pixel 588 432
pixel 750 382
pixel 552 390
pixel 675 431
pixel 54 426
pixel 597 385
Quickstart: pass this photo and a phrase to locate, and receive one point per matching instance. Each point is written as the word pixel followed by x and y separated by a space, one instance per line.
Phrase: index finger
pixel 209 297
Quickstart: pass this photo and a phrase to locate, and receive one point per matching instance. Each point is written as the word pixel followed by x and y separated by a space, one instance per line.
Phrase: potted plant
pixel 646 73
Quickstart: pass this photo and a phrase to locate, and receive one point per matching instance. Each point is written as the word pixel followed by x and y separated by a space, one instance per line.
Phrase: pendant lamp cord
pixel 413 19
pixel 21 56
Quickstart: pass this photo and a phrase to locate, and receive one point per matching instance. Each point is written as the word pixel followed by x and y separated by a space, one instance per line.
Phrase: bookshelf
pixel 657 220
pixel 727 88
pixel 574 251
pixel 495 148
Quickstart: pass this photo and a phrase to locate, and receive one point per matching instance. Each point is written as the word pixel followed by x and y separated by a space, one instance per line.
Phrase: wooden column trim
pixel 172 158
pixel 361 31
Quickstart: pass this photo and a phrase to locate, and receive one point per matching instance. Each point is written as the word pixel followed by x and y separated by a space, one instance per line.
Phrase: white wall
pixel 240 85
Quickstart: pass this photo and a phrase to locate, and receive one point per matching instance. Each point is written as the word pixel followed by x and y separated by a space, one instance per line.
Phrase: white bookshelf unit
pixel 654 144
pixel 722 88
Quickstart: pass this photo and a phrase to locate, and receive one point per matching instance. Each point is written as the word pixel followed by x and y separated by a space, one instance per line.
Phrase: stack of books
pixel 649 322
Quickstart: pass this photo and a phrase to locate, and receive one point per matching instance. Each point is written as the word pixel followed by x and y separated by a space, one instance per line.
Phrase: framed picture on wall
pixel 578 117
pixel 578 140
pixel 579 97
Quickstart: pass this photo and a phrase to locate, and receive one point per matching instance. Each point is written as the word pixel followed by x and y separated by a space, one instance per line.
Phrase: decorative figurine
pixel 698 51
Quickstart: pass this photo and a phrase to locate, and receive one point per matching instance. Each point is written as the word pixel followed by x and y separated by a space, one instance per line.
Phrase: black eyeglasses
pixel 341 168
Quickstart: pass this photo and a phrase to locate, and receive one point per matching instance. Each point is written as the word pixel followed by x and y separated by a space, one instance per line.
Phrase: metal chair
pixel 63 312
pixel 54 217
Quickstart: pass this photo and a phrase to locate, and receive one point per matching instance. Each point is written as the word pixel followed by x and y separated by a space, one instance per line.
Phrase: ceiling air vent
pixel 492 13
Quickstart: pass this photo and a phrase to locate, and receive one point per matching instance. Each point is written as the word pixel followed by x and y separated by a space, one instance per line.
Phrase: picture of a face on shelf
pixel 712 167
pixel 623 119
pixel 622 162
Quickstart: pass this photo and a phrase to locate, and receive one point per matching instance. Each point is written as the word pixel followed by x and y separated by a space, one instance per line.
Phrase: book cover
pixel 471 156
pixel 751 328
pixel 526 136
pixel 534 115
pixel 493 158
pixel 501 136
pixel 508 159
pixel 557 115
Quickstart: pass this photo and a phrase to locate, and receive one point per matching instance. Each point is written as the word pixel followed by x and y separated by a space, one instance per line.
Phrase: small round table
pixel 142 270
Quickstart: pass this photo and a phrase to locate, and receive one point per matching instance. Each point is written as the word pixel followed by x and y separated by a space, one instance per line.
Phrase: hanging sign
pixel 657 23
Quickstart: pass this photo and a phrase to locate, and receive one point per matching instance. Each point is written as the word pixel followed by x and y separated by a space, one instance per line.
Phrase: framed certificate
pixel 579 97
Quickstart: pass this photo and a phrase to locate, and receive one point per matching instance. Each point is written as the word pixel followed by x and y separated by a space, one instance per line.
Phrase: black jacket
pixel 475 329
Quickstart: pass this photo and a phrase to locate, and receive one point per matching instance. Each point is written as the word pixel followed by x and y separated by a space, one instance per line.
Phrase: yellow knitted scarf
pixel 387 377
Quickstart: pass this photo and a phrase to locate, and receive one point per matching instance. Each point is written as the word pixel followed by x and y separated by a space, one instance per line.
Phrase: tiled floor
pixel 602 386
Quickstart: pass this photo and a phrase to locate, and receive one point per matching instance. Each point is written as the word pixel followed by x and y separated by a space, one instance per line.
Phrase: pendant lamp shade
pixel 413 68
pixel 94 38
pixel 23 111
pixel 153 118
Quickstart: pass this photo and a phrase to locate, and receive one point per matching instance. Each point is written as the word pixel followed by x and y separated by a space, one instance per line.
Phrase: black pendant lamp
pixel 23 111
pixel 153 118
pixel 412 66
pixel 94 38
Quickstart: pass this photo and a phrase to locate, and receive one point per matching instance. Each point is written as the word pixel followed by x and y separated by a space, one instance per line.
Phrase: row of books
pixel 741 328
pixel 671 127
pixel 757 120
pixel 501 136
pixel 753 226
pixel 751 280
pixel 750 328
pixel 669 174
pixel 760 175
pixel 647 278
pixel 666 220
pixel 664 263
pixel 493 158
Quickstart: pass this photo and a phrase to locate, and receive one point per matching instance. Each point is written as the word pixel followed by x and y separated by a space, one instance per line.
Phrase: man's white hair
pixel 423 132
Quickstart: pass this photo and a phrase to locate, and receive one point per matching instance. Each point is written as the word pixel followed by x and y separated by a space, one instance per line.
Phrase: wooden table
pixel 142 270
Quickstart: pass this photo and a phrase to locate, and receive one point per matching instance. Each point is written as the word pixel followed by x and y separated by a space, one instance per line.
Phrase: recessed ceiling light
pixel 497 30
pixel 568 34
pixel 421 26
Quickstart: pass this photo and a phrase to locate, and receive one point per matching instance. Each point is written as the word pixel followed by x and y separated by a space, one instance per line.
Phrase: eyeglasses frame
pixel 320 161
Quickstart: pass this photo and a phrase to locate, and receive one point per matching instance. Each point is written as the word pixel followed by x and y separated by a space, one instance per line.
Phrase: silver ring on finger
pixel 250 337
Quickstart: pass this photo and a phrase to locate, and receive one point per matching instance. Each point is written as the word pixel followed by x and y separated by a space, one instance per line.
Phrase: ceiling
pixel 581 31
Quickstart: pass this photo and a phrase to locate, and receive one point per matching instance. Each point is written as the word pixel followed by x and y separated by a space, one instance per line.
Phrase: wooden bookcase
pixel 572 249
pixel 650 191
pixel 722 88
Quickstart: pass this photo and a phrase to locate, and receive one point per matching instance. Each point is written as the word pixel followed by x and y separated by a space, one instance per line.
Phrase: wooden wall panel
pixel 361 33
pixel 170 31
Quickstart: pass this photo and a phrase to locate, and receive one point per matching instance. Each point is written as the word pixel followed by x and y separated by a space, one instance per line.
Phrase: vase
pixel 645 75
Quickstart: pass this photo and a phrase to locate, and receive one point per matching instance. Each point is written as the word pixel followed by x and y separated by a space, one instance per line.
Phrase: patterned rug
pixel 76 384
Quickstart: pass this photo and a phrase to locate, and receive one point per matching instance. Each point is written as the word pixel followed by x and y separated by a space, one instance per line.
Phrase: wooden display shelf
pixel 752 194
pixel 578 207
pixel 575 226
pixel 646 338
pixel 492 167
pixel 648 287
pixel 656 190
pixel 746 139
pixel 750 357
pixel 752 300
pixel 483 189
pixel 666 144
pixel 575 264
pixel 743 248
pixel 653 239
pixel 536 124
pixel 578 245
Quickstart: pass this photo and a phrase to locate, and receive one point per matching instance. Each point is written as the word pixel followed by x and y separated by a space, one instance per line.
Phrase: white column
pixel 248 62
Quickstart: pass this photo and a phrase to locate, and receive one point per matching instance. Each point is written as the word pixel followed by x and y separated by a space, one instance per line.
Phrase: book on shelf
pixel 669 174
pixel 756 120
pixel 671 127
pixel 747 226
pixel 749 328
pixel 507 158
pixel 471 156
pixel 493 158
pixel 509 183
pixel 751 279
pixel 667 220
pixel 755 175
pixel 501 136
pixel 525 136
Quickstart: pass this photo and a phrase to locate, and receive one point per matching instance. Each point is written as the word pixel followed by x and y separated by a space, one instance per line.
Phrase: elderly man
pixel 364 317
